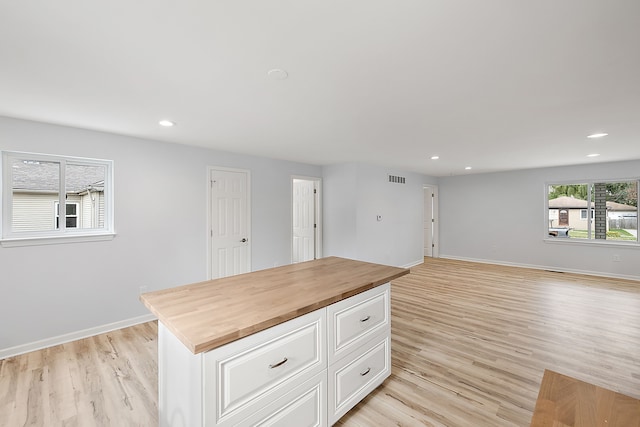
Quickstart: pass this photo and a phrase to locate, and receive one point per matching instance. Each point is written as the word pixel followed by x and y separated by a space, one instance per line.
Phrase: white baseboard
pixel 413 264
pixel 543 267
pixel 85 333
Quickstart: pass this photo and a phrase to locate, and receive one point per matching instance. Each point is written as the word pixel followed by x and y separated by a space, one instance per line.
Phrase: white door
pixel 430 217
pixel 230 220
pixel 304 217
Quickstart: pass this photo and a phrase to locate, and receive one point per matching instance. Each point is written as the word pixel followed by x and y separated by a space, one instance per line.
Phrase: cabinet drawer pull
pixel 364 319
pixel 280 363
pixel 365 372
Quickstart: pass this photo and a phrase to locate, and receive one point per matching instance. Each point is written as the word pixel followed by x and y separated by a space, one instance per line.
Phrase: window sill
pixel 592 242
pixel 55 240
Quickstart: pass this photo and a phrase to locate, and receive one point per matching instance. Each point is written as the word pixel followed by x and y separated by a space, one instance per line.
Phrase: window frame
pixel 56 213
pixel 588 241
pixel 583 213
pixel 61 234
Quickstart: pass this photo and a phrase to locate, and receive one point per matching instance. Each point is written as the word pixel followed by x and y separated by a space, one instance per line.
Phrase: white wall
pixel 160 221
pixel 354 195
pixel 339 209
pixel 499 217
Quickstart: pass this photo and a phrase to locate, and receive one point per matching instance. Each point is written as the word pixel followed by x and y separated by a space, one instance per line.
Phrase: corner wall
pixel 62 291
pixel 354 196
pixel 499 218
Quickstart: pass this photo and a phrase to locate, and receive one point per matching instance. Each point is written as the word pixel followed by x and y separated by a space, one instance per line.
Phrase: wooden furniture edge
pixel 225 339
pixel 221 340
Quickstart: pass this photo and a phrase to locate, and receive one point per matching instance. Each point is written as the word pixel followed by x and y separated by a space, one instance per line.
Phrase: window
pixel 72 215
pixel 593 211
pixel 34 186
pixel 583 213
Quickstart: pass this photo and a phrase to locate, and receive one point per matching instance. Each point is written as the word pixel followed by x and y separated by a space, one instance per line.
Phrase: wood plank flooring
pixel 470 343
pixel 106 380
pixel 565 401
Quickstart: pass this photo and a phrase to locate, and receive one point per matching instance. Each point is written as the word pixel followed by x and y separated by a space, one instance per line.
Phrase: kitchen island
pixel 294 345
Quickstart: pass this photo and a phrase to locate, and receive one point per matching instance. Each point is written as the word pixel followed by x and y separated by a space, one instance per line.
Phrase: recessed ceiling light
pixel 166 123
pixel 597 135
pixel 277 74
pixel 435 157
pixel 467 168
pixel 593 155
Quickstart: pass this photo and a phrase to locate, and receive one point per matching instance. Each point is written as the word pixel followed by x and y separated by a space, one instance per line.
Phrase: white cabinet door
pixel 352 322
pixel 355 376
pixel 304 406
pixel 247 374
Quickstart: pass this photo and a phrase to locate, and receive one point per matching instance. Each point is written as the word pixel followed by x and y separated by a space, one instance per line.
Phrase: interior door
pixel 428 222
pixel 430 195
pixel 304 220
pixel 229 223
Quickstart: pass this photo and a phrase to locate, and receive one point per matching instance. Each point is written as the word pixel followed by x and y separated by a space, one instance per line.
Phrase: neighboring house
pixel 622 216
pixel 36 197
pixel 571 212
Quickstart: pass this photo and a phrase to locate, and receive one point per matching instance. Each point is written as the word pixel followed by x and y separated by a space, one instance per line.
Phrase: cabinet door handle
pixel 365 372
pixel 280 363
pixel 364 319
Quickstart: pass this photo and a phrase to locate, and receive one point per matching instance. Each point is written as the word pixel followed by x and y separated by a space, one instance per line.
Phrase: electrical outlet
pixel 615 258
pixel 143 289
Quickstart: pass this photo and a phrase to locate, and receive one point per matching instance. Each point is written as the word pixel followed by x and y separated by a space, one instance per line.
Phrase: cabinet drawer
pixel 353 321
pixel 304 406
pixel 249 373
pixel 354 377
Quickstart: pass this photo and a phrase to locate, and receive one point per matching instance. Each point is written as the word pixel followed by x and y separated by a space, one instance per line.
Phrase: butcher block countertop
pixel 209 314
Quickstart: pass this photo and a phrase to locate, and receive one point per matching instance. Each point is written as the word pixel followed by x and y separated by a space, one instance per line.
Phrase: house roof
pixel 44 176
pixel 613 206
pixel 566 202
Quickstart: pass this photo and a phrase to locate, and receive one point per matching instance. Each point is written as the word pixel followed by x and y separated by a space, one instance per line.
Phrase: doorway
pixel 306 225
pixel 430 221
pixel 229 222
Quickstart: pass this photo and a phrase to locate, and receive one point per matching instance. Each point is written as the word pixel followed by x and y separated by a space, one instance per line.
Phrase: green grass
pixel 578 234
pixel 613 234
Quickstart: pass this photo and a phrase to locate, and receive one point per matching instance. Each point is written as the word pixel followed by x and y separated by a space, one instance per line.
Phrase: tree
pixel 619 192
pixel 578 191
pixel 623 192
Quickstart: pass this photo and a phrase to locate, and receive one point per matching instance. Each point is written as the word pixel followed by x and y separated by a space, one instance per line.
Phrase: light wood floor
pixel 106 380
pixel 470 343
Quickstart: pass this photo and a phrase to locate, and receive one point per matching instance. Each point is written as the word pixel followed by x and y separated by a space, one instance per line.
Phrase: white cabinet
pixel 304 406
pixel 354 321
pixel 245 375
pixel 354 377
pixel 307 371
pixel 359 336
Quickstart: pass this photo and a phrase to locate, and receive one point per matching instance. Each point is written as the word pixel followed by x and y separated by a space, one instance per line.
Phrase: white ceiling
pixel 492 84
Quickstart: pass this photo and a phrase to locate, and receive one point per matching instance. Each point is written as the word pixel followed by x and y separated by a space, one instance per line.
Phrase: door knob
pixel 243 240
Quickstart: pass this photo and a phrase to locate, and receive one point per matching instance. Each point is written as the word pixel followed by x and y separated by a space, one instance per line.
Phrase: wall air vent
pixel 397 179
